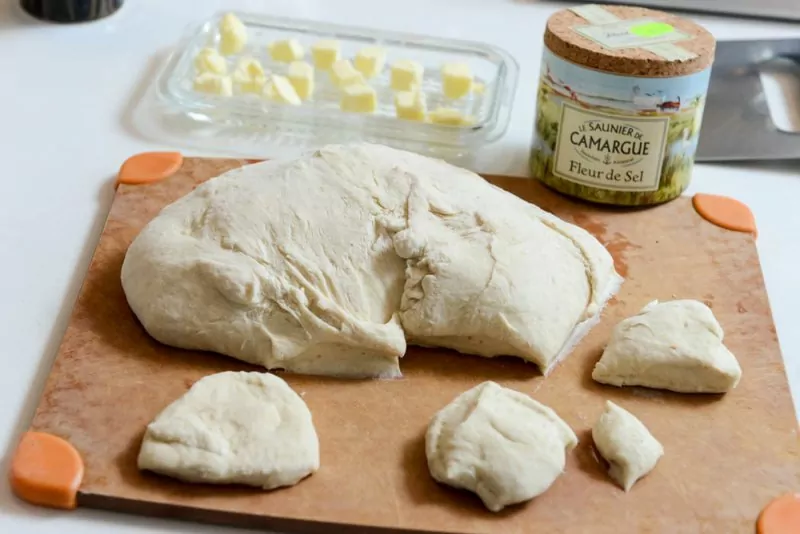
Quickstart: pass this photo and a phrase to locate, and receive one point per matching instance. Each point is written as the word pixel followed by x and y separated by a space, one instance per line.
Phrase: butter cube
pixel 209 60
pixel 410 105
pixel 325 53
pixel 301 76
pixel 232 35
pixel 456 80
pixel 286 51
pixel 214 84
pixel 343 74
pixel 249 75
pixel 370 61
pixel 283 91
pixel 249 67
pixel 449 117
pixel 268 91
pixel 359 98
pixel 478 88
pixel 406 75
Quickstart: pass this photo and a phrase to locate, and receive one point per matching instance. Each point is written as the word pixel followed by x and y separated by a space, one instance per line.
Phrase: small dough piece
pixel 301 75
pixel 249 76
pixel 407 75
pixel 343 74
pixel 234 428
pixel 450 117
pixel 282 90
pixel 325 53
pixel 410 105
pixel 456 80
pixel 232 35
pixel 213 84
pixel 626 444
pixel 498 443
pixel 209 60
pixel 286 51
pixel 370 61
pixel 359 98
pixel 675 345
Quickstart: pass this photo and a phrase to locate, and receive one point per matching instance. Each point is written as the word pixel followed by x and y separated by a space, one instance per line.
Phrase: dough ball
pixel 626 444
pixel 329 263
pixel 234 428
pixel 675 345
pixel 498 443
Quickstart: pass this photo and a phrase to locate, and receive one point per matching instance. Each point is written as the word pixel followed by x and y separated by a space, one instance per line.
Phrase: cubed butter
pixel 249 75
pixel 283 91
pixel 209 60
pixel 449 117
pixel 249 67
pixel 286 51
pixel 456 80
pixel 478 88
pixel 268 91
pixel 370 61
pixel 343 74
pixel 359 98
pixel 410 105
pixel 214 84
pixel 301 76
pixel 406 75
pixel 325 53
pixel 232 35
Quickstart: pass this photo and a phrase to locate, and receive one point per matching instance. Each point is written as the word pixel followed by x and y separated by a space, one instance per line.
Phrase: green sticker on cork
pixel 651 29
pixel 634 33
pixel 613 33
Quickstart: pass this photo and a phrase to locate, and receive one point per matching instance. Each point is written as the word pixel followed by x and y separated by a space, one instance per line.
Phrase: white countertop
pixel 66 90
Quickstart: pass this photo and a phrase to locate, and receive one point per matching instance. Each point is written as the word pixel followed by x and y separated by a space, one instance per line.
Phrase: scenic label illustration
pixel 615 133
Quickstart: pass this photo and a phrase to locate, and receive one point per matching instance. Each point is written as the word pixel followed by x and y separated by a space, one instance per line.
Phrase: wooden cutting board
pixel 726 456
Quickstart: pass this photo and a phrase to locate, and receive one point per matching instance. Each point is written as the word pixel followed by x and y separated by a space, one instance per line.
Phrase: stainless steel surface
pixel 772 9
pixel 737 123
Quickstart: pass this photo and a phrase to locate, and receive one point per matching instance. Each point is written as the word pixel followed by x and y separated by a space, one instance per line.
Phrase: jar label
pixel 603 150
pixel 616 133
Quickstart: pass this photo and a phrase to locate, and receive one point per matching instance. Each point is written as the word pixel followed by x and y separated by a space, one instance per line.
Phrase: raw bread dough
pixel 626 444
pixel 327 263
pixel 498 443
pixel 675 345
pixel 234 428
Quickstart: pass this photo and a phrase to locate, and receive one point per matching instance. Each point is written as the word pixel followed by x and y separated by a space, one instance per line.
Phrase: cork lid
pixel 665 45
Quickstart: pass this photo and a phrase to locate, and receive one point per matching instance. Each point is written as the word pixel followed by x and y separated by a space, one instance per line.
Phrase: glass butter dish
pixel 253 123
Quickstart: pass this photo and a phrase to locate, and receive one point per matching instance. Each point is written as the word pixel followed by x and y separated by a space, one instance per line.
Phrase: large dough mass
pixel 498 443
pixel 329 263
pixel 675 345
pixel 235 428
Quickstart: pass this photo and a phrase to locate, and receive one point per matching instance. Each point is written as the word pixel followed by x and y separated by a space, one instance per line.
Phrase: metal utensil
pixel 737 123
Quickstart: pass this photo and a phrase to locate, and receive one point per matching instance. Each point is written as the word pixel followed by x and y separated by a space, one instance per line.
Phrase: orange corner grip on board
pixel 781 516
pixel 46 470
pixel 725 212
pixel 149 167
